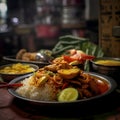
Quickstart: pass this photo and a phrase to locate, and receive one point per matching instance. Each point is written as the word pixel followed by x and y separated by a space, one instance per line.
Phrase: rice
pixel 46 92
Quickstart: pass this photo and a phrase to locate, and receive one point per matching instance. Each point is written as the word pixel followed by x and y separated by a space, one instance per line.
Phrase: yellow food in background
pixel 17 68
pixel 108 62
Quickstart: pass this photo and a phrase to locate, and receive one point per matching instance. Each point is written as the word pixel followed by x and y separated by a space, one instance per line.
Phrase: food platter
pixel 80 107
pixel 111 82
pixel 11 71
pixel 13 59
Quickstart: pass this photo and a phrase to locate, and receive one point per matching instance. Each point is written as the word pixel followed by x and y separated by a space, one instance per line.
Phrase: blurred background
pixel 37 24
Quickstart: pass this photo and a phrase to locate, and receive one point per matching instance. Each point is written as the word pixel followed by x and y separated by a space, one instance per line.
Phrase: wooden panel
pixel 109 17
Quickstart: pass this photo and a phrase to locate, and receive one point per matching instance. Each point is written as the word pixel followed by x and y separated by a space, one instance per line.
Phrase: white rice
pixel 46 92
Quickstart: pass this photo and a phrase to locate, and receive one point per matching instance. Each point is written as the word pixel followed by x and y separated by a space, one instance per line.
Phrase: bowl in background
pixel 108 66
pixel 8 72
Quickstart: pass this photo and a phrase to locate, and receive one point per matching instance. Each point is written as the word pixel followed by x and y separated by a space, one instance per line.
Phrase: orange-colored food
pixel 48 83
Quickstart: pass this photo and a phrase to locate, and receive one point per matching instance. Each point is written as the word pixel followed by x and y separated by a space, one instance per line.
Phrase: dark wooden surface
pixel 12 109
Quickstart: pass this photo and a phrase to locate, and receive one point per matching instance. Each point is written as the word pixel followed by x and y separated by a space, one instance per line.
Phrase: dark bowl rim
pixel 104 58
pixel 32 65
pixel 112 83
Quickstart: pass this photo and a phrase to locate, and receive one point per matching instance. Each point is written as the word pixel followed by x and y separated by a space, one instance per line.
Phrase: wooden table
pixel 12 109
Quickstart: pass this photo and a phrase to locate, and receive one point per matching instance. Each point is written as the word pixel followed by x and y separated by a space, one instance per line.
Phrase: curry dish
pixel 17 68
pixel 108 62
pixel 54 80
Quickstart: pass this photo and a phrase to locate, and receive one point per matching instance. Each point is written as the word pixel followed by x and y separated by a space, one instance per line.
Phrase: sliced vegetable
pixel 77 55
pixel 68 94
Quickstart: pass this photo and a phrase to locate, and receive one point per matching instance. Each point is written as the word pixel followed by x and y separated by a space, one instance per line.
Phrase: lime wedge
pixel 68 94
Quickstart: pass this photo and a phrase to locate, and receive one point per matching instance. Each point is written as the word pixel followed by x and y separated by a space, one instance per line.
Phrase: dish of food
pixel 17 68
pixel 106 65
pixel 13 70
pixel 61 82
pixel 108 62
pixel 111 83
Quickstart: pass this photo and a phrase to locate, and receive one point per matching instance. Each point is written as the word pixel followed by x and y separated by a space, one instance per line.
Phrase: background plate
pixel 13 59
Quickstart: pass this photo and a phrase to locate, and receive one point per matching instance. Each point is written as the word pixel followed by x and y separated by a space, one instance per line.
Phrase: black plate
pixel 66 109
pixel 13 59
pixel 110 81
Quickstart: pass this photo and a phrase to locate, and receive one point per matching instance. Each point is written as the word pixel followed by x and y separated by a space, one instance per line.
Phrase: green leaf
pixel 79 43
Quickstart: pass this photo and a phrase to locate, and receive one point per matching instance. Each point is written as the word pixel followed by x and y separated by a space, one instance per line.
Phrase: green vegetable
pixel 68 94
pixel 68 42
pixel 71 38
pixel 62 50
pixel 79 43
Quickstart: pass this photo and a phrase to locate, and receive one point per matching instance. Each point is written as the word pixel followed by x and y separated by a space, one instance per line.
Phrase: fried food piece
pixel 20 53
pixel 87 93
pixel 94 86
pixel 69 73
pixel 27 56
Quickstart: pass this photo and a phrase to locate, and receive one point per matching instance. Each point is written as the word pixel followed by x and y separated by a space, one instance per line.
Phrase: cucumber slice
pixel 68 94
